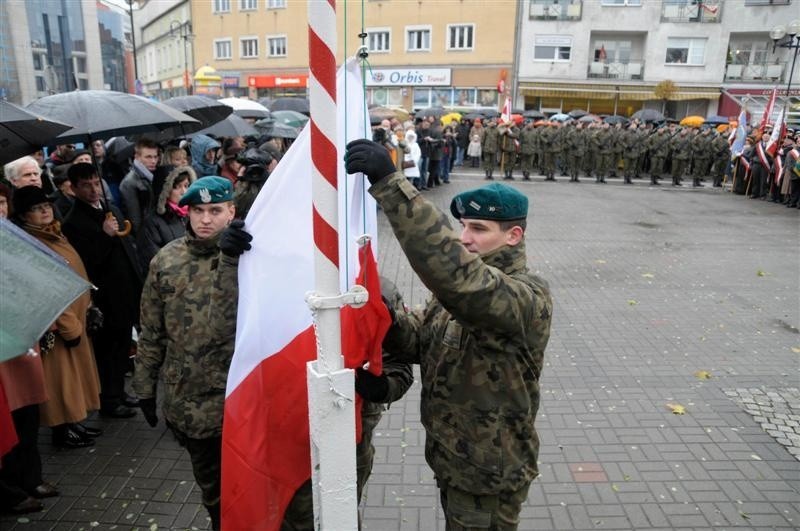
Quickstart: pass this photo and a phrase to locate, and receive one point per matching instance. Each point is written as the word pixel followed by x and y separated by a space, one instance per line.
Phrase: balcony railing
pixel 555 9
pixel 755 72
pixel 691 10
pixel 613 70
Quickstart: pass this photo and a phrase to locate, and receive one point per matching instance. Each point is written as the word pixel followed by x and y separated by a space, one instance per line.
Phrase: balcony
pixel 555 9
pixel 614 70
pixel 756 72
pixel 691 11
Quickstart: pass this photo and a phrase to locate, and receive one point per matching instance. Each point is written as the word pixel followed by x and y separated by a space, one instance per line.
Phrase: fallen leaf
pixel 744 515
pixel 614 488
pixel 632 302
pixel 703 375
pixel 677 409
pixel 760 273
pixel 796 350
pixel 648 275
pixel 153 527
pixel 599 261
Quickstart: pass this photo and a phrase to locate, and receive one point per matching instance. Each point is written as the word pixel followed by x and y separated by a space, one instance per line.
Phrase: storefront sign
pixel 403 77
pixel 290 81
pixel 152 87
pixel 757 91
pixel 230 79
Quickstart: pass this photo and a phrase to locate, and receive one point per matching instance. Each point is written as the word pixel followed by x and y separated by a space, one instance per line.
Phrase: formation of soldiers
pixel 600 150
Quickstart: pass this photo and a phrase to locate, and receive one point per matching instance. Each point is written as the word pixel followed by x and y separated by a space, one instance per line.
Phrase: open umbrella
pixel 271 128
pixel 490 113
pixel 290 118
pixel 533 113
pixel 473 115
pixel 266 102
pixel 233 125
pixel 560 117
pixel 692 121
pixel 718 120
pixel 436 112
pixel 450 117
pixel 37 287
pixel 577 113
pixel 290 104
pixel 23 132
pixel 615 119
pixel 206 110
pixel 101 114
pixel 586 118
pixel 246 108
pixel 648 115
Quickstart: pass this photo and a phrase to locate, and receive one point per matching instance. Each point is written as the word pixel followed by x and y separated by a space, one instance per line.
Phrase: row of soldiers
pixel 601 150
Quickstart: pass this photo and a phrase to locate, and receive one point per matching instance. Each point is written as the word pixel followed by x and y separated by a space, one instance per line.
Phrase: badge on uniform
pixel 205 195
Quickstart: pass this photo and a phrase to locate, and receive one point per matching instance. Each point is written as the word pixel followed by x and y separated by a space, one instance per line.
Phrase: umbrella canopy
pixel 290 118
pixel 22 132
pixel 202 108
pixel 272 128
pixel 533 113
pixel 233 125
pixel 473 115
pixel 490 113
pixel 290 104
pixel 120 149
pixel 615 119
pixel 648 115
pixel 560 117
pixel 101 114
pixel 436 112
pixel 266 102
pixel 587 118
pixel 693 121
pixel 375 120
pixel 37 287
pixel 246 108
pixel 717 120
pixel 450 117
pixel 577 113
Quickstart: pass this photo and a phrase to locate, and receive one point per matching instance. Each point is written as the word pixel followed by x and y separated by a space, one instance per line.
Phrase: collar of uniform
pixel 202 247
pixel 507 259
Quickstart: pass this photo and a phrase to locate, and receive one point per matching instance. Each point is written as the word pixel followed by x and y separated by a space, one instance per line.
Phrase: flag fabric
pixel 777 135
pixel 768 110
pixel 601 55
pixel 505 114
pixel 741 133
pixel 265 441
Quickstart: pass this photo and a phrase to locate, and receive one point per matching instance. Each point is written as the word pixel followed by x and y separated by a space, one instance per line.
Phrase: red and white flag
pixel 776 137
pixel 505 114
pixel 768 110
pixel 265 441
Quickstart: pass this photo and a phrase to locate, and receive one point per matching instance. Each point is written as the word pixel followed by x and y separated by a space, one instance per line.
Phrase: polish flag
pixel 777 135
pixel 505 114
pixel 768 110
pixel 265 442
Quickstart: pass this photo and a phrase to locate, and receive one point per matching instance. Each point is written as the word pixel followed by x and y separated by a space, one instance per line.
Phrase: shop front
pixel 231 86
pixel 277 86
pixel 207 82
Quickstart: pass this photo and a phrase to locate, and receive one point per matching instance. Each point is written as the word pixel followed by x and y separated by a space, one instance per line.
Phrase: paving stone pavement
pixel 652 286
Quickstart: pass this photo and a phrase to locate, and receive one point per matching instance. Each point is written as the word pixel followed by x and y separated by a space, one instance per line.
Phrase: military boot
pixel 526 176
pixel 697 184
pixel 488 176
pixel 654 181
pixel 213 512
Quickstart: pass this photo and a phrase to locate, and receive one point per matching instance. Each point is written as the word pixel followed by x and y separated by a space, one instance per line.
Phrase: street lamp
pixel 787 37
pixel 183 30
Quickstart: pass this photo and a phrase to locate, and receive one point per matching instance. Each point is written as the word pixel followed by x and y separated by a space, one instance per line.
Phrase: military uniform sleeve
pixel 475 294
pixel 402 340
pixel 153 338
pixel 399 375
pixel 225 301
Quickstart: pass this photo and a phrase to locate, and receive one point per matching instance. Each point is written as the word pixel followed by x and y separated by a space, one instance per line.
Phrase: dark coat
pixel 111 263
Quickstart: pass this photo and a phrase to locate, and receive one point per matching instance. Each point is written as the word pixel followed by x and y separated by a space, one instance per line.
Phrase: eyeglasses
pixel 41 208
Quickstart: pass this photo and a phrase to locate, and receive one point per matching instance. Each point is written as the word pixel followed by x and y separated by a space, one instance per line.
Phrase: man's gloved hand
pixel 234 239
pixel 371 387
pixel 392 313
pixel 369 158
pixel 148 407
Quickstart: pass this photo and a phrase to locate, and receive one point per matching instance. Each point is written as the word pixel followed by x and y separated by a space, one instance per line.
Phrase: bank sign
pixel 404 77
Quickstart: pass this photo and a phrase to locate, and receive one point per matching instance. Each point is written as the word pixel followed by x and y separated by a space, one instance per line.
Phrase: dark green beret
pixel 206 190
pixel 496 202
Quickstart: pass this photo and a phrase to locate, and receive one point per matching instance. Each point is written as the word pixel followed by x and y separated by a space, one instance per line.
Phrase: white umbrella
pixel 246 108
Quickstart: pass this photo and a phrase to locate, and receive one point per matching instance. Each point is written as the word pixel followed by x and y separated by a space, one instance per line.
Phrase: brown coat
pixel 70 374
pixel 23 380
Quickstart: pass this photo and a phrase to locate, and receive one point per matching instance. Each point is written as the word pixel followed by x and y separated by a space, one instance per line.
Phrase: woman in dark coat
pixel 169 221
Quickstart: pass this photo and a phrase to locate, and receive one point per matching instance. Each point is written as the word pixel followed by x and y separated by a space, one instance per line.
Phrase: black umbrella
pixel 374 119
pixel 648 115
pixel 266 102
pixel 436 112
pixel 290 104
pixel 577 113
pixel 101 114
pixel 615 119
pixel 717 120
pixel 533 113
pixel 23 132
pixel 490 113
pixel 277 129
pixel 202 108
pixel 119 149
pixel 473 116
pixel 233 125
pixel 589 118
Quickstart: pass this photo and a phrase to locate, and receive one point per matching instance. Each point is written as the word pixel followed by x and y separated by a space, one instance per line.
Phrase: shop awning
pixel 637 93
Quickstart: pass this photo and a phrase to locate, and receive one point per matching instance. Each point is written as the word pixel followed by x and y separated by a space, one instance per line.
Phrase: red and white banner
pixel 505 114
pixel 265 447
pixel 768 110
pixel 777 135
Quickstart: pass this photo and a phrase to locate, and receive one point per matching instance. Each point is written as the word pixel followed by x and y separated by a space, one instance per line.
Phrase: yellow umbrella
pixel 693 121
pixel 450 117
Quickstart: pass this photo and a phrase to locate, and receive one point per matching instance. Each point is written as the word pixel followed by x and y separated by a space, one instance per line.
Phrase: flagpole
pixel 331 389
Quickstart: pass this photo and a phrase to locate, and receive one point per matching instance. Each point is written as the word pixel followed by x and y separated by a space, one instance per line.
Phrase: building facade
pixel 164 51
pixel 422 53
pixel 614 56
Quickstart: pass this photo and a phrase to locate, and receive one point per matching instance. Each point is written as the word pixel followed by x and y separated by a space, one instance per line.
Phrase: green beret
pixel 205 190
pixel 496 202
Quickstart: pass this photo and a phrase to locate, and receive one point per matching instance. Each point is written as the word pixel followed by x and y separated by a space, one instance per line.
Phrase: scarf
pixel 141 170
pixel 181 211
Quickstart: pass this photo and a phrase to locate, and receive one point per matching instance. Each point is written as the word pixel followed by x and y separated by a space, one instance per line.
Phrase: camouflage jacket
pixel 188 332
pixel 480 345
pixel 529 141
pixel 490 140
pixel 507 137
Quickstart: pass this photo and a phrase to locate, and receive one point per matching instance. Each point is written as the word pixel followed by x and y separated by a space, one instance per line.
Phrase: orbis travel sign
pixel 403 77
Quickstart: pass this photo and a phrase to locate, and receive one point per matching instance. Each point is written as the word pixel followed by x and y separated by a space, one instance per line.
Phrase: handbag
pixel 408 164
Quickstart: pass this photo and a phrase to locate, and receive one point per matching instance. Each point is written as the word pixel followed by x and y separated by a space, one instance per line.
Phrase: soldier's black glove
pixel 369 158
pixel 234 239
pixel 392 313
pixel 371 387
pixel 148 407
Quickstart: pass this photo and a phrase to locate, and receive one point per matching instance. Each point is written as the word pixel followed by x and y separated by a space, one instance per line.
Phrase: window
pixel 379 40
pixel 249 47
pixel 612 51
pixel 418 39
pixel 276 45
pixel 461 36
pixel 552 48
pixel 41 86
pixel 276 4
pixel 83 83
pixel 748 52
pixel 221 6
pixel 222 49
pixel 621 2
pixel 248 5
pixel 686 51
pixel 37 61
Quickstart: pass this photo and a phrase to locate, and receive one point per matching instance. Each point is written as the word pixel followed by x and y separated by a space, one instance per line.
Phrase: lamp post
pixel 183 30
pixel 787 37
pixel 133 41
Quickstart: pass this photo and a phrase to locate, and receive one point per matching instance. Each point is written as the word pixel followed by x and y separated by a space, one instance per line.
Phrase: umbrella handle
pixel 124 232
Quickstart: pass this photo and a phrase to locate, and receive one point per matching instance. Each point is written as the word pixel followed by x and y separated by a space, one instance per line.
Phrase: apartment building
pixel 613 56
pixel 164 50
pixel 421 52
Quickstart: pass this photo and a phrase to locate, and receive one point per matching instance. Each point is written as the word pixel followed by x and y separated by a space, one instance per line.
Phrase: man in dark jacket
pixel 92 227
pixel 136 189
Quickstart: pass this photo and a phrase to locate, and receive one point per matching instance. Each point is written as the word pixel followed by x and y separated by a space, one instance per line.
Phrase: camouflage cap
pixel 496 202
pixel 209 189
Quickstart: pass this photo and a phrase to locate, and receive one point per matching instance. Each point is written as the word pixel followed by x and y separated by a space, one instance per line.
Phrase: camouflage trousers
pixel 656 166
pixel 679 168
pixel 488 160
pixel 630 165
pixel 575 160
pixel 469 512
pixel 526 162
pixel 206 458
pixel 701 168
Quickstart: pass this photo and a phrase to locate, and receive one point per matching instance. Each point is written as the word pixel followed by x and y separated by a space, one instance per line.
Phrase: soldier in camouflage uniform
pixel 551 148
pixel 631 144
pixel 721 156
pixel 528 147
pixel 479 343
pixel 490 144
pixel 591 155
pixel 602 144
pixel 509 135
pixel 617 143
pixel 701 156
pixel 574 150
pixel 680 146
pixel 188 323
pixel 657 148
